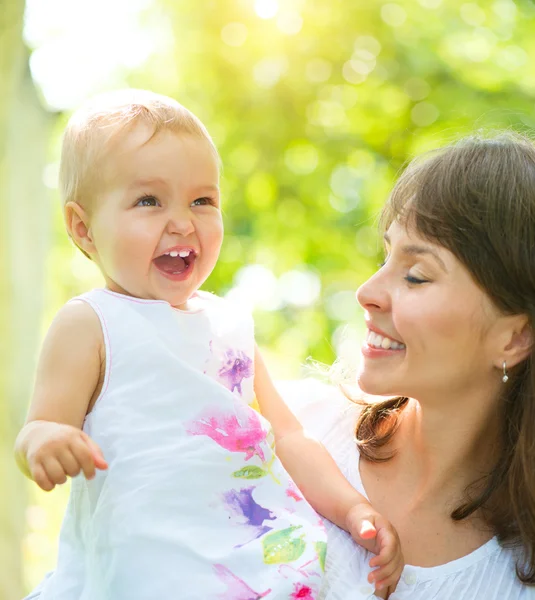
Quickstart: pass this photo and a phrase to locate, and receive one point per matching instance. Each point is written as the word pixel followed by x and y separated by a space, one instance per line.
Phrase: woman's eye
pixel 147 201
pixel 415 280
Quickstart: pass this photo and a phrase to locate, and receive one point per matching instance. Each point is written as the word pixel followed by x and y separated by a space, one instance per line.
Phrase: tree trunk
pixel 24 219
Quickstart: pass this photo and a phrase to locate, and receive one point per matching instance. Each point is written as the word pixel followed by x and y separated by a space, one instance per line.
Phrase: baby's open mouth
pixel 175 262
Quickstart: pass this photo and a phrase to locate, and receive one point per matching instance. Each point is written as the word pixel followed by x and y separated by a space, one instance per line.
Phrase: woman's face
pixel 431 330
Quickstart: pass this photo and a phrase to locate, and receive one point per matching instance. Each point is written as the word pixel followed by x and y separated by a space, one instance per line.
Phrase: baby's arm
pixel 324 486
pixel 52 445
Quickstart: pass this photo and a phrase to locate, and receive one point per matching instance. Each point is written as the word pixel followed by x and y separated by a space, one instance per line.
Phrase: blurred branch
pixel 24 132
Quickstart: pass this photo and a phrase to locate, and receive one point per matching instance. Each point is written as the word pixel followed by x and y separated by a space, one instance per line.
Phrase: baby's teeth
pixel 173 254
pixel 183 253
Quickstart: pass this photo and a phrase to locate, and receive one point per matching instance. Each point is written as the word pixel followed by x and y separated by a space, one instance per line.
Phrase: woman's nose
pixel 373 294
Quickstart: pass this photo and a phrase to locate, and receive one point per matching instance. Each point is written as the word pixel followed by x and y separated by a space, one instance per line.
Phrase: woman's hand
pixel 373 532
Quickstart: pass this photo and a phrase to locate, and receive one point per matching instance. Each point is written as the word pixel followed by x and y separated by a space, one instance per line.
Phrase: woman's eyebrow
pixel 417 250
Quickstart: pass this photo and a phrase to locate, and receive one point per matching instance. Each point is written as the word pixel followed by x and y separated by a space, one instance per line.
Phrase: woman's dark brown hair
pixel 476 198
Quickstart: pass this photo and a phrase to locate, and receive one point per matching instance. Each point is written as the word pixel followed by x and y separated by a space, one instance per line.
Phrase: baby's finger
pixel 387 575
pixel 388 544
pixel 69 463
pixel 83 456
pixel 367 530
pixel 54 470
pixel 391 584
pixel 41 479
pixel 96 452
pixel 385 556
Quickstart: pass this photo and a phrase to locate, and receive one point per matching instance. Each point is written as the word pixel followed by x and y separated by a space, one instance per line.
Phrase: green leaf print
pixel 251 472
pixel 282 546
pixel 321 551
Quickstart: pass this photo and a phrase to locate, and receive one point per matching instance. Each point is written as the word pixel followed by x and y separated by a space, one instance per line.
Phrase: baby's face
pixel 156 223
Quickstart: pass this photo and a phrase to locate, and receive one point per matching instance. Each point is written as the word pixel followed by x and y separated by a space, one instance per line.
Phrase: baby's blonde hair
pixel 92 130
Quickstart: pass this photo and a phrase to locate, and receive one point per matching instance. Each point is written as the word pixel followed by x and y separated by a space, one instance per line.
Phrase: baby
pixel 146 387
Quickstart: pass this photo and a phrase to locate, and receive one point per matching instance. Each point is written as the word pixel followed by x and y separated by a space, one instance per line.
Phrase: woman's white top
pixel 194 504
pixel 488 573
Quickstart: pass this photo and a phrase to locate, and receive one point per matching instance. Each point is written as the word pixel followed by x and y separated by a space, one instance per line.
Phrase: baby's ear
pixel 78 227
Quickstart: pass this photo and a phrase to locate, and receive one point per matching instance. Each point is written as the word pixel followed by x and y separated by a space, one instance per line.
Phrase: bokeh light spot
pixel 472 14
pixel 234 34
pixel 266 9
pixel 301 157
pixel 290 23
pixel 268 71
pixel 417 89
pixel 424 114
pixel 393 14
pixel 318 70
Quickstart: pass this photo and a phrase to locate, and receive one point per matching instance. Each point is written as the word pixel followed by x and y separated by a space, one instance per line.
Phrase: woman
pixel 450 461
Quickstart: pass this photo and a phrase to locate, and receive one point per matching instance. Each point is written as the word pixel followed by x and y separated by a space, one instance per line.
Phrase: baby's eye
pixel 202 202
pixel 147 201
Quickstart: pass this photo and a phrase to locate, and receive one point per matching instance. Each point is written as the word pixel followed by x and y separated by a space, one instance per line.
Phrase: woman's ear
pixel 78 227
pixel 520 342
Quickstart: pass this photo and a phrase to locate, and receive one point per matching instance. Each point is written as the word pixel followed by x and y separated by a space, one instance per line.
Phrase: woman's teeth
pixel 378 341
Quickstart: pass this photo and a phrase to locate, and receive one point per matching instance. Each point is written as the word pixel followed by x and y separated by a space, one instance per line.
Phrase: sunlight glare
pixel 266 9
pixel 82 48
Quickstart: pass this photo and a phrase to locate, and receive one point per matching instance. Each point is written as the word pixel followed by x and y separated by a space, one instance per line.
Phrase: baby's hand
pixel 56 451
pixel 370 530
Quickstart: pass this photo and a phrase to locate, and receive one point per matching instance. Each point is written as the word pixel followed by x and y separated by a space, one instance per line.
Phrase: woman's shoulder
pixel 322 408
pixel 489 572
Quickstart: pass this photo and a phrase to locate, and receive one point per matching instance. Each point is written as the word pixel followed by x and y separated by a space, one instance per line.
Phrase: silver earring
pixel 505 377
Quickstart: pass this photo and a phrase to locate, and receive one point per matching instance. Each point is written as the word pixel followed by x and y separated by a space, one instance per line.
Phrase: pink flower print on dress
pixel 240 431
pixel 293 492
pixel 237 589
pixel 302 592
pixel 312 568
pixel 237 367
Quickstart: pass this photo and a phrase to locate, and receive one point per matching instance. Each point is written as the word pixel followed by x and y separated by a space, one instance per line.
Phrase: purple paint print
pixel 242 505
pixel 237 589
pixel 237 367
pixel 226 430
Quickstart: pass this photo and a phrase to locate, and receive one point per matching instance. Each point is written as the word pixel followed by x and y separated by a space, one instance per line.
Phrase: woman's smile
pixel 378 344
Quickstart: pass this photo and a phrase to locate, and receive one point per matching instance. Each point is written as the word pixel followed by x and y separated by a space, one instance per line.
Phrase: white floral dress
pixel 194 504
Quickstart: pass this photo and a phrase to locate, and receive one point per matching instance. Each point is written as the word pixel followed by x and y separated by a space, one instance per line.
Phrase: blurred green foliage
pixel 315 110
